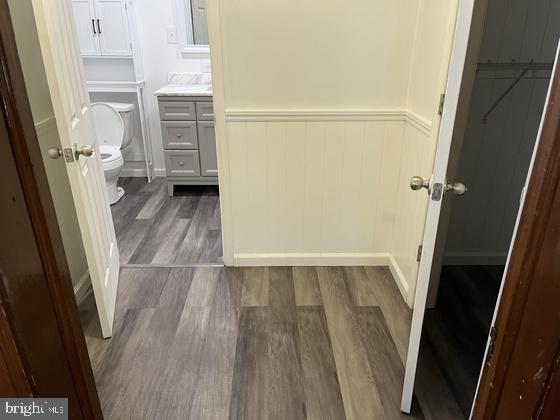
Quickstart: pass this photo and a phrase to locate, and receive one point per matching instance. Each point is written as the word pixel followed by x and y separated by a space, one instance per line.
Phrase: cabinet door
pixel 111 22
pixel 84 22
pixel 207 148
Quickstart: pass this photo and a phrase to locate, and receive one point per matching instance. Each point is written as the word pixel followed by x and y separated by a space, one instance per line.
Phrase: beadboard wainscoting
pixel 328 188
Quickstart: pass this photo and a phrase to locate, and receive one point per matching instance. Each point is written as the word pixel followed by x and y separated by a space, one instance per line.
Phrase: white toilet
pixel 113 128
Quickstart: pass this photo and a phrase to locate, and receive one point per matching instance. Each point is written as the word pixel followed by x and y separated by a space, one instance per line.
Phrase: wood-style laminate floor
pixel 253 343
pixel 454 340
pixel 153 228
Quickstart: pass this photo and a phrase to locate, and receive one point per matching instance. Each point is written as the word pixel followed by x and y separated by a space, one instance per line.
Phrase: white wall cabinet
pixel 102 27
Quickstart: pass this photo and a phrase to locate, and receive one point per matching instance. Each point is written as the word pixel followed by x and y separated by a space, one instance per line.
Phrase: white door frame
pixel 215 41
pixel 452 92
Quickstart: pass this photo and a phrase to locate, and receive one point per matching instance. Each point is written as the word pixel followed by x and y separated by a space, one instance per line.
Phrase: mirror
pixel 192 26
pixel 199 23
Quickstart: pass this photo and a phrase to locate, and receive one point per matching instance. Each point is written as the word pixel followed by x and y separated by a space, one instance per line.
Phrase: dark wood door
pixel 41 335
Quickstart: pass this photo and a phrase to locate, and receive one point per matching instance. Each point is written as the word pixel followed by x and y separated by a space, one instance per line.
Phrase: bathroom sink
pixel 187 84
pixel 197 88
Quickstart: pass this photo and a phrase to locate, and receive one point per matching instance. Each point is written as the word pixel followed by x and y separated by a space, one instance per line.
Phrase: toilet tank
pixel 126 112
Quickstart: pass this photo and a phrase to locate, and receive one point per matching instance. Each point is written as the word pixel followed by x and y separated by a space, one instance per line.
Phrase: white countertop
pixel 187 84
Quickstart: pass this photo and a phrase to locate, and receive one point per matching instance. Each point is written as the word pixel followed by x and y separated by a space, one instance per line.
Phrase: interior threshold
pixel 195 265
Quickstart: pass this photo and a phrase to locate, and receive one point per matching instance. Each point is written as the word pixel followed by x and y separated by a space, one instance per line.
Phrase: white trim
pixel 419 122
pixel 160 173
pixel 474 258
pixel 311 259
pixel 218 83
pixel 82 288
pixel 268 115
pixel 195 50
pixel 133 173
pixel 133 156
pixel 45 126
pixel 185 35
pixel 141 173
pixel 400 279
pixel 103 86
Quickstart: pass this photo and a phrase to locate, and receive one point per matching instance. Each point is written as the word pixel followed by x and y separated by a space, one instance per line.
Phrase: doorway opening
pixel 491 156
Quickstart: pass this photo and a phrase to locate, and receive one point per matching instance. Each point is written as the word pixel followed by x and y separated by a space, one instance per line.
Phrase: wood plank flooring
pixel 454 340
pixel 153 228
pixel 252 343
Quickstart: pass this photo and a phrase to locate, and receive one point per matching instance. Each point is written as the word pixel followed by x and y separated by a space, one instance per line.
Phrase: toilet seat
pixel 109 153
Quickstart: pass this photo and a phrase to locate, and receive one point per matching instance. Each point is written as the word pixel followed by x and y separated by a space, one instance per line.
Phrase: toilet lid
pixel 109 126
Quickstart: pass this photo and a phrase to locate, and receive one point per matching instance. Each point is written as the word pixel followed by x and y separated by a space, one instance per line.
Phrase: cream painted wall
pixel 43 116
pixel 323 114
pixel 329 55
pixel 435 26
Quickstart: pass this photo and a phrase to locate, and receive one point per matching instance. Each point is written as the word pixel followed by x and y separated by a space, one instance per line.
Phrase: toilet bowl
pixel 113 129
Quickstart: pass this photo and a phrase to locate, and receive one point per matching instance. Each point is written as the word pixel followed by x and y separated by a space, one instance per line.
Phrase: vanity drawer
pixel 182 163
pixel 177 110
pixel 205 111
pixel 179 135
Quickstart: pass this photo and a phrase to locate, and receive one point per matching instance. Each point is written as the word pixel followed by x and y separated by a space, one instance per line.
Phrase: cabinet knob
pixel 179 135
pixel 181 163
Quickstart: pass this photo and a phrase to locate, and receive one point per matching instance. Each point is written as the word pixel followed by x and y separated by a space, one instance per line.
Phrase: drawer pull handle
pixel 181 163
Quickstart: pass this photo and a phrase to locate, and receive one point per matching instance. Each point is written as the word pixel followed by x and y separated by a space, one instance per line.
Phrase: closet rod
pixel 513 65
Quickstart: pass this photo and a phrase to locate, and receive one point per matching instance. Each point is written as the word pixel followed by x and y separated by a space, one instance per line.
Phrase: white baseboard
pixel 475 258
pixel 133 173
pixel 82 288
pixel 141 173
pixel 400 279
pixel 310 259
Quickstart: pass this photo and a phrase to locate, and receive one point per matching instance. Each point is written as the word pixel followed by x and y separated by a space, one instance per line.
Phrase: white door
pixel 73 118
pixel 437 184
pixel 86 29
pixel 112 27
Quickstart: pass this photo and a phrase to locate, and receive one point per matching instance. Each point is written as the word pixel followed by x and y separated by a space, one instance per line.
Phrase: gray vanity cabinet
pixel 189 140
pixel 207 148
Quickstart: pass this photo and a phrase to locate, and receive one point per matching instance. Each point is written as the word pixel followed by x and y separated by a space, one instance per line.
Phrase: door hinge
pixel 441 103
pixel 493 336
pixel 419 253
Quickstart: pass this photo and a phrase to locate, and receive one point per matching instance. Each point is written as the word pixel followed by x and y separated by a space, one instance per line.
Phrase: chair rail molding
pixel 306 114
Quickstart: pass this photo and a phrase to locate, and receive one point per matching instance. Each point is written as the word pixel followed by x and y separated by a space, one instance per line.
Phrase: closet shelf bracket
pixel 503 96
